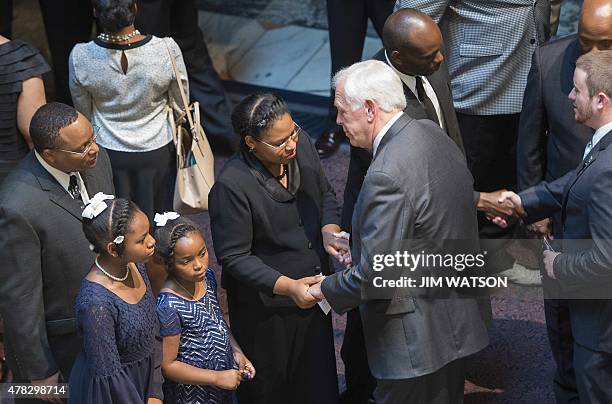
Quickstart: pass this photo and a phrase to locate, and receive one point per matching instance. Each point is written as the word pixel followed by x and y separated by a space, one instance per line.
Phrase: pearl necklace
pixel 118 38
pixel 115 278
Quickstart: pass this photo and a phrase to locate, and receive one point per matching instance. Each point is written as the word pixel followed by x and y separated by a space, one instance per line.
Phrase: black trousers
pixel 593 375
pixel 6 18
pixel 561 342
pixel 490 147
pixel 360 383
pixel 444 386
pixel 67 22
pixel 179 19
pixel 292 351
pixel 348 24
pixel 147 178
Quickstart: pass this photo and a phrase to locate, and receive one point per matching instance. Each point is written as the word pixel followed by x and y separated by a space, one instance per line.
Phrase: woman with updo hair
pixel 124 83
pixel 120 360
pixel 273 216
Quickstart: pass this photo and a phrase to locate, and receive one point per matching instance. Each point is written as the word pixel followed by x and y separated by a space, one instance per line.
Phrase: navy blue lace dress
pixel 120 362
pixel 204 343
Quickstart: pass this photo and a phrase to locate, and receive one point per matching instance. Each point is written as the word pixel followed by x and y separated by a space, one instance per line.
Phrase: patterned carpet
pixel 516 367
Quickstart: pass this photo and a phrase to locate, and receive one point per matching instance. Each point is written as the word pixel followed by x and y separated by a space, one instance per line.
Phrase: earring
pixel 252 151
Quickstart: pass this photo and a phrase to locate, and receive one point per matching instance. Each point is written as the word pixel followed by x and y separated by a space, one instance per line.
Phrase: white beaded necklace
pixel 118 38
pixel 115 278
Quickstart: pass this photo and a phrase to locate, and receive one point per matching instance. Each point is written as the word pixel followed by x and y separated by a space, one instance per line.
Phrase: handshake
pixel 306 292
pixel 501 207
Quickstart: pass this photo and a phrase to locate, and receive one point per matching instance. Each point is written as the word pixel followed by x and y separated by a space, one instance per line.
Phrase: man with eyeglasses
pixel 43 250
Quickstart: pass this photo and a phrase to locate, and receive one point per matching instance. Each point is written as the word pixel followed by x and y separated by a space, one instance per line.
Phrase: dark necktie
pixel 73 187
pixel 430 110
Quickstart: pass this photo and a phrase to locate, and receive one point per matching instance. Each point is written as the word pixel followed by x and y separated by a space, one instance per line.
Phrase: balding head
pixel 412 41
pixel 596 25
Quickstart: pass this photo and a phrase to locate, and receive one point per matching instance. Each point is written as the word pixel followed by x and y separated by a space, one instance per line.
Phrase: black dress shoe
pixel 329 141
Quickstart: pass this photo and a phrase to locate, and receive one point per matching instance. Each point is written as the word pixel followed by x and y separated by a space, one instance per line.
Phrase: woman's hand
pixel 244 365
pixel 228 379
pixel 297 290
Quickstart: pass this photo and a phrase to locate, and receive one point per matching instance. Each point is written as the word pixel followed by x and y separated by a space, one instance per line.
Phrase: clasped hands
pixel 503 206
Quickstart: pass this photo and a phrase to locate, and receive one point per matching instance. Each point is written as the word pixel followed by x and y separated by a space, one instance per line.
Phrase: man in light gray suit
pixel 418 187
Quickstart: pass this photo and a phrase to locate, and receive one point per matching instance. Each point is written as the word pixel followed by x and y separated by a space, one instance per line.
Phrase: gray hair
pixel 371 80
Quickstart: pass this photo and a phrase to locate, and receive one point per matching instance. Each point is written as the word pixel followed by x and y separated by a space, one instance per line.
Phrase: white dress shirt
pixel 381 133
pixel 410 82
pixel 597 136
pixel 64 178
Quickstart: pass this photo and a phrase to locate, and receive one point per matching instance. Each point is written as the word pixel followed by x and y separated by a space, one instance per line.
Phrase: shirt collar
pixel 600 133
pixel 383 132
pixel 61 177
pixel 409 81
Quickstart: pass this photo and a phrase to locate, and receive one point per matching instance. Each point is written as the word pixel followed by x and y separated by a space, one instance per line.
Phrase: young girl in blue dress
pixel 115 310
pixel 202 363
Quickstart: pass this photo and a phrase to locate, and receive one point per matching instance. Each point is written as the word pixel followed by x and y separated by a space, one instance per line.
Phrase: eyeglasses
pixel 86 148
pixel 294 136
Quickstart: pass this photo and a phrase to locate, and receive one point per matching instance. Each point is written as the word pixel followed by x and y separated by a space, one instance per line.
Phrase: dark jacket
pixel 261 230
pixel 361 158
pixel 44 256
pixel 550 141
pixel 584 269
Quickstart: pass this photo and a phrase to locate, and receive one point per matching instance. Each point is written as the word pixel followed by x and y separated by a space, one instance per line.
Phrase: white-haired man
pixel 418 187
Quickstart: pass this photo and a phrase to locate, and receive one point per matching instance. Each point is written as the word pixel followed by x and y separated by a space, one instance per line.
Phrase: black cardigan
pixel 261 230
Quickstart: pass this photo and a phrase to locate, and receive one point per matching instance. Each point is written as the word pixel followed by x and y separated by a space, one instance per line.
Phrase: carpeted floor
pixel 517 365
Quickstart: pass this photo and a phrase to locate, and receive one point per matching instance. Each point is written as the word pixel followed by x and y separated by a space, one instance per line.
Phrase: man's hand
pixel 541 229
pixel 51 380
pixel 549 259
pixel 511 201
pixel 489 203
pixel 336 242
pixel 315 290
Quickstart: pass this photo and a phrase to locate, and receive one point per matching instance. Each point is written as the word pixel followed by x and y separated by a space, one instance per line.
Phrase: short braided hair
pixel 167 236
pixel 257 113
pixel 112 222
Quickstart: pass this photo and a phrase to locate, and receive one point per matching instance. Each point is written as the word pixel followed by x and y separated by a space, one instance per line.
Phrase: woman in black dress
pixel 21 93
pixel 273 214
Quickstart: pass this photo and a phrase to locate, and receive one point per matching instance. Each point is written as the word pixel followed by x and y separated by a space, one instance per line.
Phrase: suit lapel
pixel 57 194
pixel 586 163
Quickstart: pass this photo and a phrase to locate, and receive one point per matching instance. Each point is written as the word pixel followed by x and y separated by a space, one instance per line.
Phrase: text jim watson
pixel 442 282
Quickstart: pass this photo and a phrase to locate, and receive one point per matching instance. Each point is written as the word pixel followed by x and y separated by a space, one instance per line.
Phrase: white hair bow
pixel 161 219
pixel 96 205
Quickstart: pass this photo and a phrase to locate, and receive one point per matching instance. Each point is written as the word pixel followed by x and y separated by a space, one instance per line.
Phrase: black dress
pixel 19 61
pixel 262 231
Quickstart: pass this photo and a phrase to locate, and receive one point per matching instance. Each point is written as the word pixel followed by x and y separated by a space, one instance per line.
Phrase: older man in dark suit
pixel 413 50
pixel 550 144
pixel 416 347
pixel 43 250
pixel 583 269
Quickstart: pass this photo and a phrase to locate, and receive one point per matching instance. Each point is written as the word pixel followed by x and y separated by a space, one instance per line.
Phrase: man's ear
pixel 371 110
pixel 48 155
pixel 394 58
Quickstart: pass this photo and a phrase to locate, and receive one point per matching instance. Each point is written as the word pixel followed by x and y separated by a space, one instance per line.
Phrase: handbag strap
pixel 181 90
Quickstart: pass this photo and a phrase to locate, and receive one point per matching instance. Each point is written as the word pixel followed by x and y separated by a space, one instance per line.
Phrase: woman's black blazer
pixel 262 230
